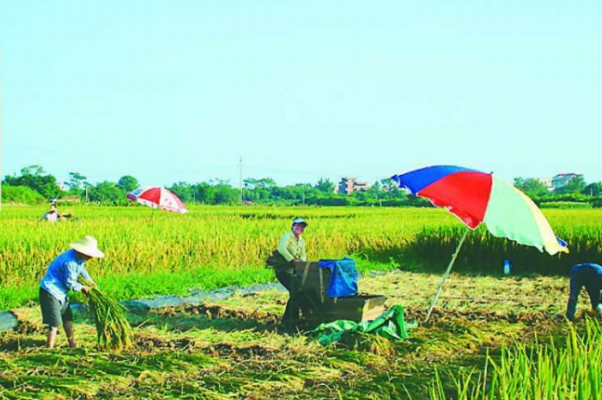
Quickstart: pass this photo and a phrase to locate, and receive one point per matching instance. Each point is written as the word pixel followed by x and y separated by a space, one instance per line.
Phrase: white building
pixel 561 180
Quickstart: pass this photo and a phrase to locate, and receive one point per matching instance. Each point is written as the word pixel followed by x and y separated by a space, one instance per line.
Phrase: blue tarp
pixel 8 321
pixel 343 277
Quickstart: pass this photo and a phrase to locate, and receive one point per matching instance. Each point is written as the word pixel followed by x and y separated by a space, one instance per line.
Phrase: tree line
pixel 576 190
pixel 35 186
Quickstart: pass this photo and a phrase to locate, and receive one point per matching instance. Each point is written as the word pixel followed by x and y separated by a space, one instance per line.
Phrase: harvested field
pixel 232 349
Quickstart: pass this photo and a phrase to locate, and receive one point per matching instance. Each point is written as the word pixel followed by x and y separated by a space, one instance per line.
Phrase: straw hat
pixel 88 246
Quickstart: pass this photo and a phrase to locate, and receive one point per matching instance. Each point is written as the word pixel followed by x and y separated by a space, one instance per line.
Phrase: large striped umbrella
pixel 157 197
pixel 477 197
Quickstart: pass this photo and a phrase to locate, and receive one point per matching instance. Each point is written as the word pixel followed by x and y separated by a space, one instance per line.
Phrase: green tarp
pixel 390 325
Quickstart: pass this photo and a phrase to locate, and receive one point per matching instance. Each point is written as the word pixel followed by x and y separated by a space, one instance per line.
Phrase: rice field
pixel 485 326
pixel 219 246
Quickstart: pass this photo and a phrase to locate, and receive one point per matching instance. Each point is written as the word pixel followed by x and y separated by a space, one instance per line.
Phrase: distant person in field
pixel 51 215
pixel 61 277
pixel 590 276
pixel 291 249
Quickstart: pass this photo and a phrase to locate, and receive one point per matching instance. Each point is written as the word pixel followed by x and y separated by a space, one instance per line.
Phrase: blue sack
pixel 343 277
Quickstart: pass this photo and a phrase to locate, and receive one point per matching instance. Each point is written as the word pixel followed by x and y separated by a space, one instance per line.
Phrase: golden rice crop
pixel 113 331
pixel 211 237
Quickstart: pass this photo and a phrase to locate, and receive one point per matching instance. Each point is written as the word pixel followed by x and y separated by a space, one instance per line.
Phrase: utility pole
pixel 378 192
pixel 240 182
pixel 86 184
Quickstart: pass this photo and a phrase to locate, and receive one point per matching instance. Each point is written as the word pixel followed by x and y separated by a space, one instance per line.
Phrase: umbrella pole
pixel 446 275
pixel 151 217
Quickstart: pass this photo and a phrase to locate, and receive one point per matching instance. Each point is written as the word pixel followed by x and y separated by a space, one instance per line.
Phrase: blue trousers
pixel 587 275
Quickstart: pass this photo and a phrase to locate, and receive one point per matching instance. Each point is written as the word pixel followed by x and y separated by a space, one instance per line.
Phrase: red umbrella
pixel 157 197
pixel 477 197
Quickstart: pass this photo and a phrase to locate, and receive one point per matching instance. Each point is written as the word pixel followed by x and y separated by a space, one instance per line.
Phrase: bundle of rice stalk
pixel 113 331
pixel 370 342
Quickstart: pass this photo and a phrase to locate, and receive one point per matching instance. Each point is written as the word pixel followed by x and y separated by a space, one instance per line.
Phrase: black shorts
pixel 53 312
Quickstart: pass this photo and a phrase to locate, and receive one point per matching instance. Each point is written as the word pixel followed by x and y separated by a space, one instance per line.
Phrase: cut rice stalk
pixel 113 331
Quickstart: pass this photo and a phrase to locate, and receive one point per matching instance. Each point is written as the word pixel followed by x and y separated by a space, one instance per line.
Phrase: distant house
pixel 69 199
pixel 561 180
pixel 349 185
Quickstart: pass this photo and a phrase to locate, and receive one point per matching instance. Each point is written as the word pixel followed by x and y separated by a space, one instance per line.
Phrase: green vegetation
pixel 21 195
pixel 565 204
pixel 35 178
pixel 266 191
pixel 540 371
pixel 485 325
pixel 221 246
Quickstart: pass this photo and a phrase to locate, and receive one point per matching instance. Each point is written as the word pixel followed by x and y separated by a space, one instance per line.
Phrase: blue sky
pixel 178 90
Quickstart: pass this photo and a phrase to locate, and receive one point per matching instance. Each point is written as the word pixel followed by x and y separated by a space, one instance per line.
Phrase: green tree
pixel 531 187
pixel 76 183
pixel 387 184
pixel 107 193
pixel 127 183
pixel 259 190
pixel 574 186
pixel 21 195
pixel 35 178
pixel 263 183
pixel 203 193
pixel 325 186
pixel 299 193
pixel 32 170
pixel 593 189
pixel 76 180
pixel 224 193
pixel 184 191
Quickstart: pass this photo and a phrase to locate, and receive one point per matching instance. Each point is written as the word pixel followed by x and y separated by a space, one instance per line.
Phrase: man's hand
pixel 86 290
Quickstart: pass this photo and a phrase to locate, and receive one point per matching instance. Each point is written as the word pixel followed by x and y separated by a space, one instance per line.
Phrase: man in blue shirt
pixel 590 276
pixel 61 276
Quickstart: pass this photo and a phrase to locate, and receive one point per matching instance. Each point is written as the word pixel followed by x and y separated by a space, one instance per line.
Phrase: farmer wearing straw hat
pixel 61 276
pixel 590 276
pixel 291 249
